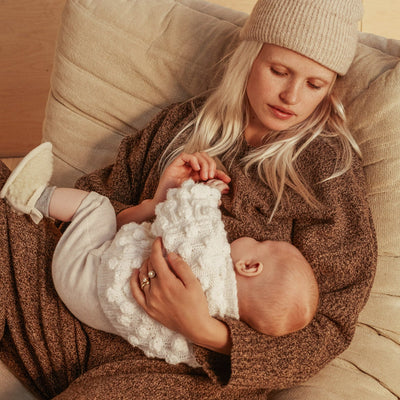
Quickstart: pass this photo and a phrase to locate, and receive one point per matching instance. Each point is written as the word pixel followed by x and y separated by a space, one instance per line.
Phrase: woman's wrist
pixel 215 336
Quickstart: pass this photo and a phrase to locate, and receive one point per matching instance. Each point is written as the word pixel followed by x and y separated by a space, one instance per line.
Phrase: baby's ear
pixel 248 269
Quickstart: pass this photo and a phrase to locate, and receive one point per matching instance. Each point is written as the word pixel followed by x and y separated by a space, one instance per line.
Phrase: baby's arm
pixel 196 166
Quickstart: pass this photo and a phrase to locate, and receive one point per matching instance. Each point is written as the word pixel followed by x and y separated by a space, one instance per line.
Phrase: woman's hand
pixel 196 166
pixel 174 298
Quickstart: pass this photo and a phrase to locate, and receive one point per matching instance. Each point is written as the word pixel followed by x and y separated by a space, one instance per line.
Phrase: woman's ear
pixel 248 269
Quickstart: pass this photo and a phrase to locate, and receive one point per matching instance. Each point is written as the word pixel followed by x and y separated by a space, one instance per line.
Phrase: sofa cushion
pixel 118 63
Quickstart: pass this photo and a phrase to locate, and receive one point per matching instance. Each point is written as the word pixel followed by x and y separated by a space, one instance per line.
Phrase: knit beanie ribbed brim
pixel 325 31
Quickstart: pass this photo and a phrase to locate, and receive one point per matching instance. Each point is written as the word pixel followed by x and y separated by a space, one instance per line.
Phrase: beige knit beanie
pixel 324 30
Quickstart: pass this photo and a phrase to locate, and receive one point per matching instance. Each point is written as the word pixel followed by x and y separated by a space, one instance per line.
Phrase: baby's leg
pixel 77 259
pixel 64 202
pixel 27 190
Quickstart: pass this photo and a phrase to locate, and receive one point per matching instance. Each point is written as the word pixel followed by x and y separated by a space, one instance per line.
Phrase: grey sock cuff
pixel 43 202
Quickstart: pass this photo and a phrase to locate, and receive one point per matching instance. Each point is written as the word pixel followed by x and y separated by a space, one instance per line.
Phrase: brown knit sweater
pixel 53 353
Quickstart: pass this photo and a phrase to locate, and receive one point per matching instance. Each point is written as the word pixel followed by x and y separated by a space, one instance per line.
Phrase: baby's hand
pixel 218 184
pixel 196 166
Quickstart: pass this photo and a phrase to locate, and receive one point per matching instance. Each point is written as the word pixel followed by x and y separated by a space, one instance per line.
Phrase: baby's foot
pixel 28 180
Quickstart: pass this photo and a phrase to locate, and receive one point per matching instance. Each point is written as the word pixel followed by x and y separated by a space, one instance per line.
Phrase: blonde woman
pixel 276 126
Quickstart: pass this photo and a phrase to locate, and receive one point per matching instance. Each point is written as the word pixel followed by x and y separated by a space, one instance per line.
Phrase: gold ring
pixel 151 274
pixel 144 283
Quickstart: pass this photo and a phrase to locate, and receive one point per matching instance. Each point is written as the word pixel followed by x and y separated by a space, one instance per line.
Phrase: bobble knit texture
pixel 325 31
pixel 190 224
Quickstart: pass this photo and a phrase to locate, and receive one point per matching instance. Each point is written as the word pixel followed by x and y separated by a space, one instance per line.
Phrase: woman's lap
pixel 137 377
pixel 50 351
pixel 41 342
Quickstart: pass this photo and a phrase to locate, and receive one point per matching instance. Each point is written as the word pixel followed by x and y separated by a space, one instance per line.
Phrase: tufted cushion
pixel 118 63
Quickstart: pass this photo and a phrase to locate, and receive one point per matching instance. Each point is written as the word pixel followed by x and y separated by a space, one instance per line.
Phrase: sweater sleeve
pixel 340 244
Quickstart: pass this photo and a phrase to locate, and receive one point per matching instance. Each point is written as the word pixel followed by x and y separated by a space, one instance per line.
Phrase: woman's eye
pixel 276 72
pixel 313 86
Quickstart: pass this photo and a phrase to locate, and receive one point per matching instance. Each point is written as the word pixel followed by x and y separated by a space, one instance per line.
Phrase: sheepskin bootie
pixel 28 180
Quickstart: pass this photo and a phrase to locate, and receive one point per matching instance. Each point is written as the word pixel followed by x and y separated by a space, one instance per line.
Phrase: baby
pixel 268 285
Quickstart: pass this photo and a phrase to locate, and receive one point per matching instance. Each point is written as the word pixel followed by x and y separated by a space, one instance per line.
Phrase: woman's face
pixel 283 89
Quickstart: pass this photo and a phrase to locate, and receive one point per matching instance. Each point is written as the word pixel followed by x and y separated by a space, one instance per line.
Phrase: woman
pixel 276 126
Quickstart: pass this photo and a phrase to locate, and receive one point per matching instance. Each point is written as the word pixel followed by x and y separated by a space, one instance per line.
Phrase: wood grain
pixel 382 17
pixel 11 162
pixel 28 31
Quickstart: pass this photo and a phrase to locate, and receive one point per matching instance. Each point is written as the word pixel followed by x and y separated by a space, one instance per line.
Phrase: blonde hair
pixel 219 126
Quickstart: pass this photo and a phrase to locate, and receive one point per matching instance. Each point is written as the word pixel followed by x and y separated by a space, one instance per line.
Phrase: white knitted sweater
pixel 190 224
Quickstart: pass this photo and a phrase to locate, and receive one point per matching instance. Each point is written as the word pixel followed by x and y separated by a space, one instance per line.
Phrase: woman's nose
pixel 291 93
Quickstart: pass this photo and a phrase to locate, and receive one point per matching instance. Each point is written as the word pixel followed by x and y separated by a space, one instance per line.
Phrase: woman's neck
pixel 254 135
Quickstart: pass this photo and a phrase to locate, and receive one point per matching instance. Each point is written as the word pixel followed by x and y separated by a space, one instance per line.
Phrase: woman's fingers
pixel 153 271
pixel 174 296
pixel 158 262
pixel 136 290
pixel 181 269
pixel 174 268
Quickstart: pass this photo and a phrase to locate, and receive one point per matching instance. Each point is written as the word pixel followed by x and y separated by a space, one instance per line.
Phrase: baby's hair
pixel 286 299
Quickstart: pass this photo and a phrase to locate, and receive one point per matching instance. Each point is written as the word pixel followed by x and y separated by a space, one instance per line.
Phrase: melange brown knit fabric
pixel 55 354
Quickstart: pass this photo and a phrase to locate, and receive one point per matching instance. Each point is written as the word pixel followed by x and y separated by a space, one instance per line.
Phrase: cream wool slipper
pixel 28 180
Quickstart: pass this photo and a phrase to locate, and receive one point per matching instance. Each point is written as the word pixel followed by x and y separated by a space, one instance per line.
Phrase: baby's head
pixel 277 289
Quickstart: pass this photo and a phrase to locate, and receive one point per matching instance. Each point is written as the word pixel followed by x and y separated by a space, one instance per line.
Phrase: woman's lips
pixel 281 113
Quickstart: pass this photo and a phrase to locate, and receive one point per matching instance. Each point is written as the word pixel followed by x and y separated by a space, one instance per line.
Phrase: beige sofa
pixel 118 63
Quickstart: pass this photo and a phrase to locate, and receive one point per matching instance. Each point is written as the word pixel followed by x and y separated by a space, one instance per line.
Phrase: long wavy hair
pixel 219 126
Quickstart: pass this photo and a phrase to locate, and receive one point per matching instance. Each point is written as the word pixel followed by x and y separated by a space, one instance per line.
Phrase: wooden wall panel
pixel 28 30
pixel 382 17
